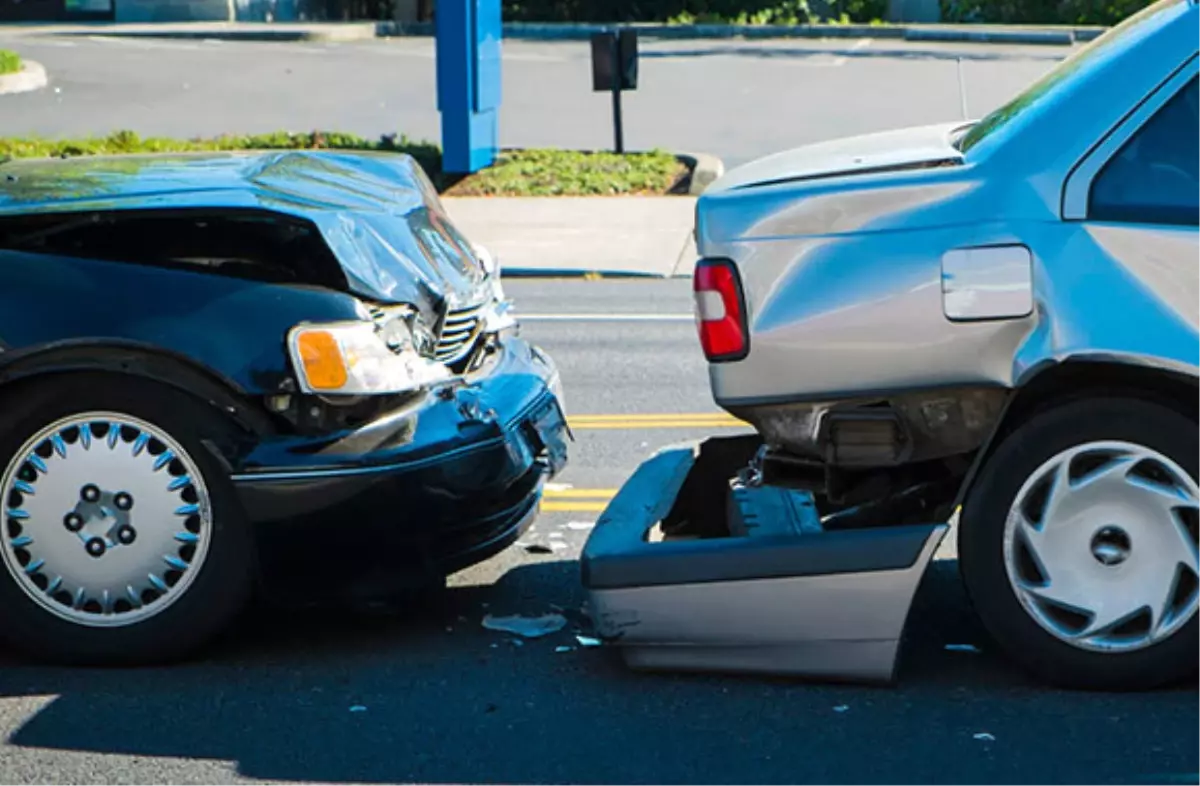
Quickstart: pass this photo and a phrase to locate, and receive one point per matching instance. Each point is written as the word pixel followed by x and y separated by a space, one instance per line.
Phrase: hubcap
pixel 107 519
pixel 1100 546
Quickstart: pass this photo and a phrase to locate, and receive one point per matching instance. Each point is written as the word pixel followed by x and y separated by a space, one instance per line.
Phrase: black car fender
pixel 135 359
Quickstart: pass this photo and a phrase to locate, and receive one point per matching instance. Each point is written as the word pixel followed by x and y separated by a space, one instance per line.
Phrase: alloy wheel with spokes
pixel 1098 549
pixel 107 519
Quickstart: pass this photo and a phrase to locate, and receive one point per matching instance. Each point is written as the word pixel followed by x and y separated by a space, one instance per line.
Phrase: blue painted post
pixel 468 82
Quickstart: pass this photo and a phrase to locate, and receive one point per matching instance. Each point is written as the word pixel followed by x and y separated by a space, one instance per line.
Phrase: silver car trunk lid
pixel 886 151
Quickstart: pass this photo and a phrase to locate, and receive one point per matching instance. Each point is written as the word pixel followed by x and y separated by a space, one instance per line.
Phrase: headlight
pixel 491 267
pixel 351 358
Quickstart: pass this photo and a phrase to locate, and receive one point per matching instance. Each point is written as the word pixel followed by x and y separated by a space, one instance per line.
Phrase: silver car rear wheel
pixel 107 519
pixel 1078 542
pixel 1097 550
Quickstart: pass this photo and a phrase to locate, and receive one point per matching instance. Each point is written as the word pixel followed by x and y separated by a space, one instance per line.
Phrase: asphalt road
pixel 441 700
pixel 735 99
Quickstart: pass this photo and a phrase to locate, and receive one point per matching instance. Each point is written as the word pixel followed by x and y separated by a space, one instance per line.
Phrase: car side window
pixel 1154 178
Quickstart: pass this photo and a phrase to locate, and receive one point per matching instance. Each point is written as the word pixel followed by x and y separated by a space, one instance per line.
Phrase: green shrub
pixel 763 12
pixel 1064 12
pixel 539 172
pixel 10 62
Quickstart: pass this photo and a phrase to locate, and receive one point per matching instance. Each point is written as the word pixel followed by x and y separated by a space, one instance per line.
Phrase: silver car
pixel 996 318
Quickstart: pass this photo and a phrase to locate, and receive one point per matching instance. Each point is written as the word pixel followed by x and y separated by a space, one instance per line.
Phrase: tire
pixel 187 559
pixel 1096 559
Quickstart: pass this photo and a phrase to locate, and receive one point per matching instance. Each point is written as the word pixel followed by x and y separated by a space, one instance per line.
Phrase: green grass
pixel 539 172
pixel 10 62
pixel 548 172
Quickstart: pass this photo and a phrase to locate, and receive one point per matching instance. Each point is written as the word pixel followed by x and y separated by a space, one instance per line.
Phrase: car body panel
pixel 843 271
pixel 409 486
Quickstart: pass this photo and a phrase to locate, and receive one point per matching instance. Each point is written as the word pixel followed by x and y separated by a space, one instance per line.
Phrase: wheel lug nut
pixel 96 547
pixel 126 535
pixel 73 522
pixel 123 501
pixel 89 493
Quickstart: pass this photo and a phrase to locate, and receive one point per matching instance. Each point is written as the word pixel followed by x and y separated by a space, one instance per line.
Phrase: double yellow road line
pixel 581 500
pixel 656 421
pixel 557 500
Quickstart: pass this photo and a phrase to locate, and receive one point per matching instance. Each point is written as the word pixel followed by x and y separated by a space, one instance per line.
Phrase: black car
pixel 225 370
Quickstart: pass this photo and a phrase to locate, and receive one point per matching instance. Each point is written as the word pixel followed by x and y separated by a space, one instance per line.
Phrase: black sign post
pixel 614 69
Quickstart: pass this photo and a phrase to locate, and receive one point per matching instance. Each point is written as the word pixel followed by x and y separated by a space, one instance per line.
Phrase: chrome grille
pixel 458 334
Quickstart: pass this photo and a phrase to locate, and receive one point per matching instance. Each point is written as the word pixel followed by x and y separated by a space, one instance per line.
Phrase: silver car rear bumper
pixel 779 597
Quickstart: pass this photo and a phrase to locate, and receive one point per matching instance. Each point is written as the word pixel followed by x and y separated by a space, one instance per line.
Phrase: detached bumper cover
pixel 439 485
pixel 788 599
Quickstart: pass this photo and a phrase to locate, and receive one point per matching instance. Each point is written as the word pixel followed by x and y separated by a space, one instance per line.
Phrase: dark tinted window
pixel 1155 178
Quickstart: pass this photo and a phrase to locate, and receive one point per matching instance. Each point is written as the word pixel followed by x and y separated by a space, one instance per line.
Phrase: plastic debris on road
pixel 587 641
pixel 529 627
pixel 983 735
pixel 580 526
pixel 962 648
pixel 358 708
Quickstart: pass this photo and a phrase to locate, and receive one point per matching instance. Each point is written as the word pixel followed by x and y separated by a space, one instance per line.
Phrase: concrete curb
pixel 705 169
pixel 1013 34
pixel 341 32
pixel 32 76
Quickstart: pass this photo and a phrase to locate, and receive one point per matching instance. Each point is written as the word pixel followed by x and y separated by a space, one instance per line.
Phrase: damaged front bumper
pixel 419 493
pixel 691 569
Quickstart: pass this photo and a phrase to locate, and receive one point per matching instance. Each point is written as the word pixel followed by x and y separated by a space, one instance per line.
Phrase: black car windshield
pixel 1039 91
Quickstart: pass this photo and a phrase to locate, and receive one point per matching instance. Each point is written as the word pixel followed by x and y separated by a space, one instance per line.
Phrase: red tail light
pixel 720 311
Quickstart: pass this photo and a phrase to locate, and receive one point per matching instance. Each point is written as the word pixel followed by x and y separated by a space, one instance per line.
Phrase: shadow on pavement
pixel 444 700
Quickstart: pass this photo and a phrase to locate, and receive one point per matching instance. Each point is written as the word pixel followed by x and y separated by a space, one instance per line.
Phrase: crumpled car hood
pixel 886 151
pixel 377 211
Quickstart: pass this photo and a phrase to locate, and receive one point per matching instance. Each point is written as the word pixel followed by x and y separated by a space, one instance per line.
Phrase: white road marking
pixel 145 43
pixel 606 317
pixel 858 46
pixel 49 42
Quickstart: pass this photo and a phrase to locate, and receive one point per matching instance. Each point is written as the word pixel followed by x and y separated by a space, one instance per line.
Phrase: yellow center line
pixel 580 493
pixel 576 500
pixel 574 507
pixel 663 420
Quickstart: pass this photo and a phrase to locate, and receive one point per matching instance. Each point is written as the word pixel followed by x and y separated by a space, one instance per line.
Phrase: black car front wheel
pixel 1078 544
pixel 123 542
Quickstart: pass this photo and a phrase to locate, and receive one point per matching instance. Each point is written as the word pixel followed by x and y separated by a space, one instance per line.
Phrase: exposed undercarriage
pixel 893 458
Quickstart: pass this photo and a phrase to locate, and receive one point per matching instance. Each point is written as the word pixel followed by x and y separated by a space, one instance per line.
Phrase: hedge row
pixel 536 172
pixel 691 11
pixel 1063 12
pixel 1068 12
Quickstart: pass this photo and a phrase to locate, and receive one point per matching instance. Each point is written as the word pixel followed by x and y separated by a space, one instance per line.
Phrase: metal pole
pixel 962 90
pixel 618 131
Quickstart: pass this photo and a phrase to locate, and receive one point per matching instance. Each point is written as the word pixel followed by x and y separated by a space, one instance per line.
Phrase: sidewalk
pixel 572 236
